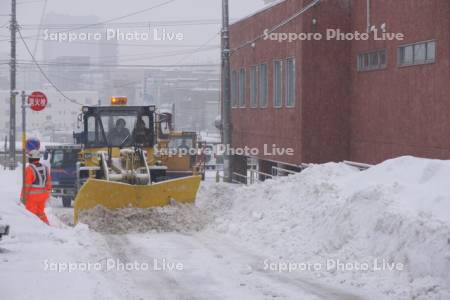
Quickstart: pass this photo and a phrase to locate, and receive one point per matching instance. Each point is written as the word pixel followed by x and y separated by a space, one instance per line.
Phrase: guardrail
pixel 361 166
pixel 251 178
pixel 253 175
pixel 239 176
pixel 276 170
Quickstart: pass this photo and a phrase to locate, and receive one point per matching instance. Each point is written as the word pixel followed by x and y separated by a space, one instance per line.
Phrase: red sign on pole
pixel 37 101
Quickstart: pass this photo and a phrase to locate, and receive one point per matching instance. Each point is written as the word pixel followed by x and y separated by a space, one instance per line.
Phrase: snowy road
pixel 212 269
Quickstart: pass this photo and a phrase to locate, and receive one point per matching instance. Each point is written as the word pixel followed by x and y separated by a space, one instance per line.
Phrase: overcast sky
pixel 30 12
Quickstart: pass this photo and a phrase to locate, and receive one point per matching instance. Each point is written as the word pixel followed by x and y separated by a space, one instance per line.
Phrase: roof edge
pixel 259 11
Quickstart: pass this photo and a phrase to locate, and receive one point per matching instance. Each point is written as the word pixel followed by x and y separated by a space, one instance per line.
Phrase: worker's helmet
pixel 34 154
pixel 33 144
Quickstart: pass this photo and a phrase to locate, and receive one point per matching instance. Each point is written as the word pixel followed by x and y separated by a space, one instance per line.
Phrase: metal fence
pixel 254 176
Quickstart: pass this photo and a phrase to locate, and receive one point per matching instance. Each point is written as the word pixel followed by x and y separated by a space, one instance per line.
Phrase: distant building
pixel 79 64
pixel 4 113
pixel 56 23
pixel 125 82
pixel 4 70
pixel 67 77
pixel 59 117
pixel 195 95
pixel 330 100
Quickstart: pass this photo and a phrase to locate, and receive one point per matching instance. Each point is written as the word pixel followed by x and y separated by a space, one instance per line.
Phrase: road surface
pixel 199 265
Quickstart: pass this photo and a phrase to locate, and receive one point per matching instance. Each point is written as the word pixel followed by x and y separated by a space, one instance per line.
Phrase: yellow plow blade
pixel 116 195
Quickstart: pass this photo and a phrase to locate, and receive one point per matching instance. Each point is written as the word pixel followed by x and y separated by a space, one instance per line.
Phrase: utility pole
pixel 226 92
pixel 24 138
pixel 12 110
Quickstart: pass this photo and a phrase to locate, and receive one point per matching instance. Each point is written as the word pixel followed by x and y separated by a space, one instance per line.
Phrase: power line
pixel 201 48
pixel 113 19
pixel 150 56
pixel 43 73
pixel 279 25
pixel 36 41
pixel 96 43
pixel 129 24
pixel 31 1
pixel 153 66
pixel 132 57
pixel 127 65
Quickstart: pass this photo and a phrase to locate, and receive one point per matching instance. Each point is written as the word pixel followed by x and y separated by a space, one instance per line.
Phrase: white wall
pixel 60 115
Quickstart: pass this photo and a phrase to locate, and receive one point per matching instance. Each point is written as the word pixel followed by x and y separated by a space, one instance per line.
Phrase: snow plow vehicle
pixel 180 151
pixel 118 167
pixel 181 154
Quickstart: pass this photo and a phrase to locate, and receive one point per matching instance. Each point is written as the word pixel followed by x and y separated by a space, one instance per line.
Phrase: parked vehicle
pixel 63 163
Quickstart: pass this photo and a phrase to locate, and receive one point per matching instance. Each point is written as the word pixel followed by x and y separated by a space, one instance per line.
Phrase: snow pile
pixel 28 255
pixel 176 217
pixel 394 214
pixel 172 218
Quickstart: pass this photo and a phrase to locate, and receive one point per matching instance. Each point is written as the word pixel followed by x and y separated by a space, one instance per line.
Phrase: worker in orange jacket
pixel 38 186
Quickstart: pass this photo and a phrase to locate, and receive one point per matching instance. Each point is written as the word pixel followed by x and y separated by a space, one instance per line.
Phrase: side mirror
pixel 46 155
pixel 79 121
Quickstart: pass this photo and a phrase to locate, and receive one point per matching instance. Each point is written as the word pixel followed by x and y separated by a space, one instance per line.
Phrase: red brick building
pixel 364 100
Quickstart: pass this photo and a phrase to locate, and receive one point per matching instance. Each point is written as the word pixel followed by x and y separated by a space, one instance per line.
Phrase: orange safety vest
pixel 37 183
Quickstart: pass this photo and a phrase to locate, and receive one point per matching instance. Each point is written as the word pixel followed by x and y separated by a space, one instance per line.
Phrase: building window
pixel 416 54
pixel 290 82
pixel 263 85
pixel 234 89
pixel 242 87
pixel 277 83
pixel 254 86
pixel 374 60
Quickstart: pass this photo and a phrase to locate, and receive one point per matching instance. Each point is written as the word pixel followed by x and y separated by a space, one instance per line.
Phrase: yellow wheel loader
pixel 180 151
pixel 117 167
pixel 181 154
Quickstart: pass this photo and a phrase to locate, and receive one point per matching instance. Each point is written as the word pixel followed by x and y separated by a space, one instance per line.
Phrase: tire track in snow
pixel 235 252
pixel 151 284
pixel 207 275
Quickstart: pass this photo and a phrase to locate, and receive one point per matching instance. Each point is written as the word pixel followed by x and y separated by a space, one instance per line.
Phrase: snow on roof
pixel 266 7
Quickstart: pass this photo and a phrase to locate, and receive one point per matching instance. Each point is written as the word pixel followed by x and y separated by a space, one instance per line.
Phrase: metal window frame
pixel 275 61
pixel 287 82
pixel 266 86
pixel 254 86
pixel 360 60
pixel 242 88
pixel 435 49
pixel 234 89
pixel 400 48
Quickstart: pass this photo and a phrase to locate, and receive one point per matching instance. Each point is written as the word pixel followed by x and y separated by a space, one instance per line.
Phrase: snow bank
pixel 394 214
pixel 174 218
pixel 28 255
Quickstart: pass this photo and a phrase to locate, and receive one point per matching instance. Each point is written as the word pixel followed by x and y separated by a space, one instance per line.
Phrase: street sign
pixel 37 101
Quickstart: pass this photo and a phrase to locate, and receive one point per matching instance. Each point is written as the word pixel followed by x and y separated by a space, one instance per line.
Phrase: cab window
pixel 62 158
pixel 178 143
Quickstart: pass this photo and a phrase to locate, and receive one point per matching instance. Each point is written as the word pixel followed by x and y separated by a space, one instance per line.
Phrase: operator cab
pixel 118 126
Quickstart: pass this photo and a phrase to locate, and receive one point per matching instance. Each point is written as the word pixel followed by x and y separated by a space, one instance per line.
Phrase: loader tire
pixel 67 201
